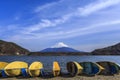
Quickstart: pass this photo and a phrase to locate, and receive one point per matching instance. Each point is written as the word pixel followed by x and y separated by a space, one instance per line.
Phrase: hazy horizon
pixel 84 25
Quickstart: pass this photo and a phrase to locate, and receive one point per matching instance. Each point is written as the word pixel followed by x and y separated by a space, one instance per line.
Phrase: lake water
pixel 48 60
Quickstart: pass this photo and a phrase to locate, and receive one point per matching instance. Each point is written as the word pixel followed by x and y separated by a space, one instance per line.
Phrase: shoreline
pixel 81 77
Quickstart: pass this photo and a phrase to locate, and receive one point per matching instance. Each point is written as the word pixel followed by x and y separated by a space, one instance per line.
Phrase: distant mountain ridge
pixel 111 50
pixel 60 49
pixel 10 48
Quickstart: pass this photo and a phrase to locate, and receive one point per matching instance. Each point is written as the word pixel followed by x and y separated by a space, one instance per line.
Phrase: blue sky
pixel 82 24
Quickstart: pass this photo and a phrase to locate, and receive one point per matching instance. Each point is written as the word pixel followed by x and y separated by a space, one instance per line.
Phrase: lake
pixel 48 60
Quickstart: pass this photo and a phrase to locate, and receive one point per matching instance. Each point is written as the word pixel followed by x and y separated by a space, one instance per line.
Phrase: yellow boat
pixel 2 66
pixel 34 69
pixel 14 68
pixel 74 68
pixel 56 68
pixel 91 68
pixel 109 67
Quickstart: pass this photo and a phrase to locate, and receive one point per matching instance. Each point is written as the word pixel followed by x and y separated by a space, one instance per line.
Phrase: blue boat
pixel 90 68
pixel 109 67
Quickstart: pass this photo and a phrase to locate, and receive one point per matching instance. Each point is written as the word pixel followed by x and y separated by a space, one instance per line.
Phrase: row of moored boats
pixel 20 68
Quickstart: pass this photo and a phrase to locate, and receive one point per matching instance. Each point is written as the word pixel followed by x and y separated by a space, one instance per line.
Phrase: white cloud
pixel 39 8
pixel 89 9
pixel 91 29
pixel 45 23
pixel 29 31
pixel 101 4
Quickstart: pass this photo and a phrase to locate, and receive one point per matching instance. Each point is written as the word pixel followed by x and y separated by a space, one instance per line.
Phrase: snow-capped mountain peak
pixel 59 45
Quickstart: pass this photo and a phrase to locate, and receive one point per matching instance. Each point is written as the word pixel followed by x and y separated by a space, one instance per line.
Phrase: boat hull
pixel 56 69
pixel 110 67
pixel 74 68
pixel 2 66
pixel 90 68
pixel 34 69
pixel 14 68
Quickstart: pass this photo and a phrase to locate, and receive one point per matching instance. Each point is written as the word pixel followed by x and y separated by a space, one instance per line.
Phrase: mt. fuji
pixel 59 47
